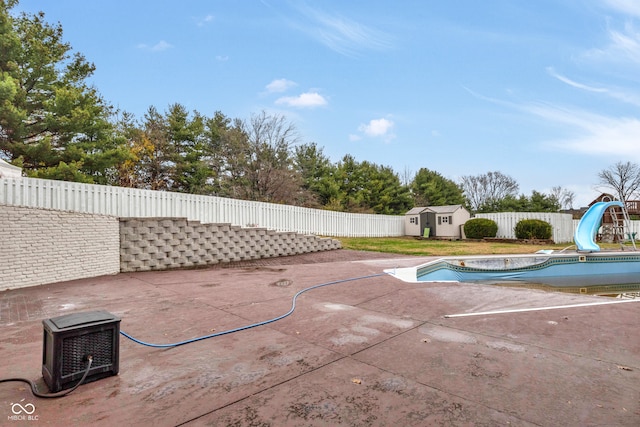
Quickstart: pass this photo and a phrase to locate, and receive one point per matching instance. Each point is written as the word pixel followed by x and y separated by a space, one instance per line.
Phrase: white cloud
pixel 623 47
pixel 573 83
pixel 594 134
pixel 222 58
pixel 280 85
pixel 353 137
pixel 340 34
pixel 624 95
pixel 632 7
pixel 204 21
pixel 377 127
pixel 591 133
pixel 304 100
pixel 158 47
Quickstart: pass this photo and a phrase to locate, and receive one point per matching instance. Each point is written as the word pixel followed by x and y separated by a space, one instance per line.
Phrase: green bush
pixel 479 228
pixel 533 229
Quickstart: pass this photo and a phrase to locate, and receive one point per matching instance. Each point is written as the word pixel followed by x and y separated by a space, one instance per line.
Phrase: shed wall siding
pixel 413 228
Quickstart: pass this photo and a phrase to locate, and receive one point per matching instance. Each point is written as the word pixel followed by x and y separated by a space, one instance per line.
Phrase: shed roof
pixel 416 211
pixel 435 209
pixel 444 209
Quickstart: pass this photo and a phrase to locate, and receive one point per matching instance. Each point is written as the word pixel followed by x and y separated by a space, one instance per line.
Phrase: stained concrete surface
pixel 373 351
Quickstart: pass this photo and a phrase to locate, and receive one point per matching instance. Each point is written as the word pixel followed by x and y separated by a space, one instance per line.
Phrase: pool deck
pixel 375 351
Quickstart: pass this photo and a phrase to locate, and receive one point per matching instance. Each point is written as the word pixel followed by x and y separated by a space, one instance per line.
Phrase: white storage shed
pixel 436 221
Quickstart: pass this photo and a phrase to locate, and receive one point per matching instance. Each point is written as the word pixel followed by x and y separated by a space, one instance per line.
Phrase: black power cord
pixel 35 391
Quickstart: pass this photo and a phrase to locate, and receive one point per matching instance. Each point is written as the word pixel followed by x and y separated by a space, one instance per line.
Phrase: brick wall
pixel 162 243
pixel 39 246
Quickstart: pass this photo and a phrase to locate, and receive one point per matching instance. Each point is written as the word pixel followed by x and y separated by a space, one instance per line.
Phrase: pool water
pixel 612 285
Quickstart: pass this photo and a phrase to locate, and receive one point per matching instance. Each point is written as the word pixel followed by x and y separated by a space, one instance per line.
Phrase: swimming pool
pixel 594 273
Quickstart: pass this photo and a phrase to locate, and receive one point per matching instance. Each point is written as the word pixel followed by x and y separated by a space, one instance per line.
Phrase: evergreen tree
pixel 52 122
pixel 317 174
pixel 429 188
pixel 369 188
pixel 537 202
pixel 190 173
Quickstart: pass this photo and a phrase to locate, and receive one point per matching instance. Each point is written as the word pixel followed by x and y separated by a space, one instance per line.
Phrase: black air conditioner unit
pixel 70 339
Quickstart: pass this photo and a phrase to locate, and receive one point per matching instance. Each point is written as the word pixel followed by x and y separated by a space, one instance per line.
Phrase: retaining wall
pixel 163 243
pixel 39 246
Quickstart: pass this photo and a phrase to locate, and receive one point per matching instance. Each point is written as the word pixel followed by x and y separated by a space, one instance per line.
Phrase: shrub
pixel 533 229
pixel 479 228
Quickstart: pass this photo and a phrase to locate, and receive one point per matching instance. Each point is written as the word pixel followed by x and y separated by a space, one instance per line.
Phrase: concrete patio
pixel 374 351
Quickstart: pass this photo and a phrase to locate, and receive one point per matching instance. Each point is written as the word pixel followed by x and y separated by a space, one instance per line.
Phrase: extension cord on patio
pixel 35 391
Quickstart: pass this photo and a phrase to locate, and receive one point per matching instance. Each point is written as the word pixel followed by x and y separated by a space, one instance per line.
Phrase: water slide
pixel 587 228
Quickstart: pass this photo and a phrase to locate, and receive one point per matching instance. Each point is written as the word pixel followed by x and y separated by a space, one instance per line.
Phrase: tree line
pixel 55 125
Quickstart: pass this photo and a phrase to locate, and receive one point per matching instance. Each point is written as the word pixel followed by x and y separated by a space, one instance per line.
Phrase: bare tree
pixel 622 178
pixel 487 190
pixel 406 177
pixel 269 173
pixel 564 197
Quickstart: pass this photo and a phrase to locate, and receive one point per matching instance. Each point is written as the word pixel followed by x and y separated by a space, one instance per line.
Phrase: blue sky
pixel 545 91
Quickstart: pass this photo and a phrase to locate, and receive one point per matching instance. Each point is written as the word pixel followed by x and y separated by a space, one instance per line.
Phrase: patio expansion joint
pixel 272 386
pixel 459 396
pixel 341 357
pixel 430 386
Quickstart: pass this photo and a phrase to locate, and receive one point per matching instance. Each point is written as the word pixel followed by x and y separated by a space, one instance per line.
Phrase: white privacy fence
pixel 563 225
pixel 131 202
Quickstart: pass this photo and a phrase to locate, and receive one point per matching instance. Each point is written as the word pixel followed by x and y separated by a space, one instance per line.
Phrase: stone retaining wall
pixel 163 243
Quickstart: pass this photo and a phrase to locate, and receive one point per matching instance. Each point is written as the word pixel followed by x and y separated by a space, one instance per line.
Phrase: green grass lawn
pixel 413 246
